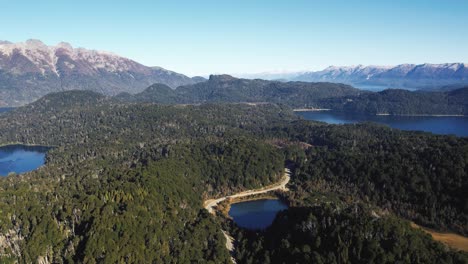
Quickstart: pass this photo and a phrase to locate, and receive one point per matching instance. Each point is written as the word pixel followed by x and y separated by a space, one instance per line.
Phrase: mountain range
pixel 415 76
pixel 32 69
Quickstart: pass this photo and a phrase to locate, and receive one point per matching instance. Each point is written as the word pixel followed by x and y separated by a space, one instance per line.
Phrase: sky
pixel 205 37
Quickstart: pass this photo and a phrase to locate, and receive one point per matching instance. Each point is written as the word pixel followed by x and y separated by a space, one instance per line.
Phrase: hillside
pixel 338 97
pixel 402 102
pixel 32 69
pixel 227 89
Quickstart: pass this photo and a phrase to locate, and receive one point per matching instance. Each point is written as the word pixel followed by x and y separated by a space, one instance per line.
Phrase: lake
pixel 21 159
pixel 257 214
pixel 443 125
pixel 5 109
pixel 379 88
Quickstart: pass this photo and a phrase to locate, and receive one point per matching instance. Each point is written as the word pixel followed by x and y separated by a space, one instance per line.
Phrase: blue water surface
pixel 443 125
pixel 20 159
pixel 5 109
pixel 256 215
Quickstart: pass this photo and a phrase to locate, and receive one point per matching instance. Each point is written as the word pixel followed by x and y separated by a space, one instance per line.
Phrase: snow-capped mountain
pixel 32 69
pixel 400 76
pixel 271 75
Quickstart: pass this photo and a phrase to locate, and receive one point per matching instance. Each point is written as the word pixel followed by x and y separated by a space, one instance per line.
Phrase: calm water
pixel 379 88
pixel 258 214
pixel 437 125
pixel 21 159
pixel 5 109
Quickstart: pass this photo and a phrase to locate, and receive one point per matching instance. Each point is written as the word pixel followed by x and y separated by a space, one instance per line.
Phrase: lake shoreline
pixel 256 215
pixel 19 159
pixel 310 109
pixel 25 145
pixel 422 115
pixel 210 204
pixel 225 206
pixel 377 114
pixel 440 124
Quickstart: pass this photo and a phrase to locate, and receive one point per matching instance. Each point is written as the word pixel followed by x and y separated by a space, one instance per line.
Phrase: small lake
pixel 5 109
pixel 257 214
pixel 443 125
pixel 21 159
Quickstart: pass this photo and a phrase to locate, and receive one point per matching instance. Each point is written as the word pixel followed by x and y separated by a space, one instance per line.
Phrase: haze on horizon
pixel 204 37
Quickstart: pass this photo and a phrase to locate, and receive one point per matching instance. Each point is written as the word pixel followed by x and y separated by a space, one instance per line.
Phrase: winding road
pixel 210 204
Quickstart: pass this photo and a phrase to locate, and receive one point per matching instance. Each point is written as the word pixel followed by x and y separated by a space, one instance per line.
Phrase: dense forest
pixel 125 182
pixel 349 186
pixel 402 102
pixel 337 97
pixel 420 176
pixel 333 234
pixel 227 89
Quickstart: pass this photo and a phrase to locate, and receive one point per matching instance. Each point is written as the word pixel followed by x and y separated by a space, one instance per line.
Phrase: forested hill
pixel 156 93
pixel 225 88
pixel 222 88
pixel 346 172
pixel 403 102
pixel 338 97
pixel 125 183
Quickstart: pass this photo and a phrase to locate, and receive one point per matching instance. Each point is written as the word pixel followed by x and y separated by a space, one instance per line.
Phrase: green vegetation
pixel 227 89
pixel 347 188
pixel 402 102
pixel 330 234
pixel 339 97
pixel 125 183
pixel 420 176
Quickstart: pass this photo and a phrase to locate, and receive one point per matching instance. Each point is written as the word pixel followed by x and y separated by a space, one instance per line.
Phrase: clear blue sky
pixel 202 37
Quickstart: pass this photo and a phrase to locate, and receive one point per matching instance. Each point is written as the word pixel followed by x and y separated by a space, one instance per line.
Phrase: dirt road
pixel 212 203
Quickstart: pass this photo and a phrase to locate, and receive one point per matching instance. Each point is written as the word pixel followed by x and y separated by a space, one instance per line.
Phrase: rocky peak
pixel 35 44
pixel 65 46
